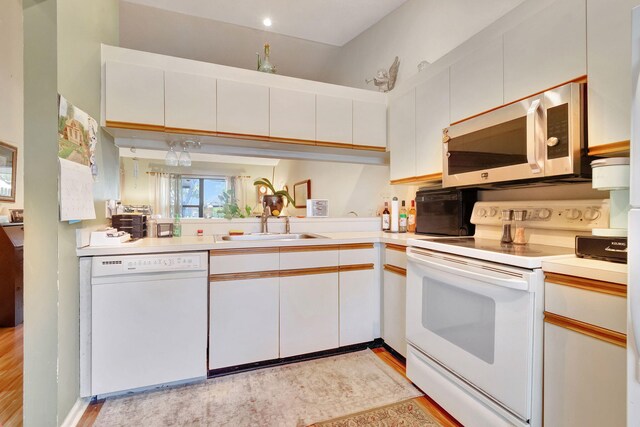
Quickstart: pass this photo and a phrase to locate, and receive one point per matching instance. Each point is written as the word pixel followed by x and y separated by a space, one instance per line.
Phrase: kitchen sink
pixel 271 236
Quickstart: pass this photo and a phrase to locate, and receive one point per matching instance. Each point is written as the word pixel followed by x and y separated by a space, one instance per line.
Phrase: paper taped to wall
pixel 76 191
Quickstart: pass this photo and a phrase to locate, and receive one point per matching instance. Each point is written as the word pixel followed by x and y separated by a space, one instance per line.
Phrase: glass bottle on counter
pixel 177 226
pixel 386 217
pixel 507 217
pixel 519 237
pixel 402 227
pixel 411 225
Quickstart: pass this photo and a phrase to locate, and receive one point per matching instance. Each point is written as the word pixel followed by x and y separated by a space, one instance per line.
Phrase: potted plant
pixel 275 200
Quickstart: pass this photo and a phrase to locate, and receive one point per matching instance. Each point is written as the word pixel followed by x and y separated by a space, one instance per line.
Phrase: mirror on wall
pixel 301 193
pixel 8 162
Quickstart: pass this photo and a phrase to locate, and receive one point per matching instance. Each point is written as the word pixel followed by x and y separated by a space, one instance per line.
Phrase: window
pixel 200 194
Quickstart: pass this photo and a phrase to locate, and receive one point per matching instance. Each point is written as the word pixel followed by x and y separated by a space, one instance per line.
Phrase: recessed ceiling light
pixel 267 22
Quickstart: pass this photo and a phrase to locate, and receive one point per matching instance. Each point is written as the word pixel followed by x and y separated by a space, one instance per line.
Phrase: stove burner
pixel 528 250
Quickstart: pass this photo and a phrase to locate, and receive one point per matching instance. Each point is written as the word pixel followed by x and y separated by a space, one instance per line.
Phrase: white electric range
pixel 475 310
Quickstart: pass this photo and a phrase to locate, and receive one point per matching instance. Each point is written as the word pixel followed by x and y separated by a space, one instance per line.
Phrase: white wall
pixel 11 88
pixel 348 187
pixel 416 31
pixel 169 33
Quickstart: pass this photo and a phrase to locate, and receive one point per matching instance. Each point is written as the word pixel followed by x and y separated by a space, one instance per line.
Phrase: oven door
pixel 476 320
pixel 503 145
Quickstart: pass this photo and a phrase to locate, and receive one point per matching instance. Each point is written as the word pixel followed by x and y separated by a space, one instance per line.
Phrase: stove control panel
pixel 580 215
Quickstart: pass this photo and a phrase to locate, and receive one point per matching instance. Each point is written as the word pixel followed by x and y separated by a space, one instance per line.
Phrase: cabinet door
pixel 394 312
pixel 609 70
pixel 402 135
pixel 546 50
pixel 308 313
pixel 477 81
pixel 334 119
pixel 584 380
pixel 244 322
pixel 432 115
pixel 243 108
pixel 359 307
pixel 189 101
pixel 369 124
pixel 292 114
pixel 134 94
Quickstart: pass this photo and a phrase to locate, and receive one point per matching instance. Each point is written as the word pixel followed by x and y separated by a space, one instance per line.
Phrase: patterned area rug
pixel 297 394
pixel 405 414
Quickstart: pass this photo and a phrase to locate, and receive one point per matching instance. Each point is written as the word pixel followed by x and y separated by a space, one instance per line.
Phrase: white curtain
pixel 239 186
pixel 161 194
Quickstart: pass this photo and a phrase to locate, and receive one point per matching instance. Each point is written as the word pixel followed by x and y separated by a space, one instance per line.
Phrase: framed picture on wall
pixel 302 192
pixel 8 162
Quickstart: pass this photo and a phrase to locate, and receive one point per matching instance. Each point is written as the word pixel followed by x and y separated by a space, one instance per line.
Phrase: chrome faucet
pixel 287 225
pixel 264 226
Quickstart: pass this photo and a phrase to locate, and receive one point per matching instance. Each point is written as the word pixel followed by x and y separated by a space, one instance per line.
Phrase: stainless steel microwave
pixel 537 138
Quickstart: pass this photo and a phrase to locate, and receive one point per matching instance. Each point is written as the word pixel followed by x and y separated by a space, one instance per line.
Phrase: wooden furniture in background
pixel 11 246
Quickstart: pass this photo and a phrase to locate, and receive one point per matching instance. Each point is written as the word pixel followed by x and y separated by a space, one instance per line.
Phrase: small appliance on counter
pixel 317 208
pixel 108 237
pixel 134 224
pixel 609 244
pixel 445 212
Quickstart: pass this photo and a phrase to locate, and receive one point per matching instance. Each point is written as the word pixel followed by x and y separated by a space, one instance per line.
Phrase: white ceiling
pixel 333 22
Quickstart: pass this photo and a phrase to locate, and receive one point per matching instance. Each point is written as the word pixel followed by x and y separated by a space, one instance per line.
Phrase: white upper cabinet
pixel 432 115
pixel 477 81
pixel 189 101
pixel 369 124
pixel 292 114
pixel 134 94
pixel 243 108
pixel 402 135
pixel 609 70
pixel 546 50
pixel 334 119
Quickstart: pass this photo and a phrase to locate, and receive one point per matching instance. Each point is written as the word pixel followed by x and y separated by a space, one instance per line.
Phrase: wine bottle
pixel 411 226
pixel 386 217
pixel 403 219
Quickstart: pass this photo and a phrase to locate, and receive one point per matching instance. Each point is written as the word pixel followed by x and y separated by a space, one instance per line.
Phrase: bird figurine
pixel 386 80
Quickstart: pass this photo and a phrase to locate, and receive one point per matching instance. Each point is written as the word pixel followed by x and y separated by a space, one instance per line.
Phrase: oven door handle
pixel 532 137
pixel 517 284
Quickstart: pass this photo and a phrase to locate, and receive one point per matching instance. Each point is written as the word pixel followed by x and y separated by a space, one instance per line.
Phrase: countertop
pixel 588 268
pixel 205 243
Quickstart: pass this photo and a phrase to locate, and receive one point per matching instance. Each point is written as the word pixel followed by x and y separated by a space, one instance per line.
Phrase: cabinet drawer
pixel 367 254
pixel 598 308
pixel 393 255
pixel 232 261
pixel 308 257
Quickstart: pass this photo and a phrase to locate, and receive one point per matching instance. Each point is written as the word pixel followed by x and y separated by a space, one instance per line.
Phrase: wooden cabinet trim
pixel 190 131
pixel 311 248
pixel 350 246
pixel 243 251
pixel 394 247
pixel 620 147
pixel 134 126
pixel 397 270
pixel 588 329
pixel 244 276
pixel 415 179
pixel 356 267
pixel 308 271
pixel 368 147
pixel 587 284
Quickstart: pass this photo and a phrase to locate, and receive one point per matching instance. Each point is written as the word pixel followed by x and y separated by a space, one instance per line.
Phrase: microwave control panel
pixel 558 131
pixel 560 214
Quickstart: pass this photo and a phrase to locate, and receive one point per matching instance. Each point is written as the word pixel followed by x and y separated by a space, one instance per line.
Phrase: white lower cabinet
pixel 359 307
pixel 244 321
pixel 308 313
pixel 584 380
pixel 394 296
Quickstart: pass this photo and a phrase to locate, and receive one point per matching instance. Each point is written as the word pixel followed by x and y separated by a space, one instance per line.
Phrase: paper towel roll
pixel 395 215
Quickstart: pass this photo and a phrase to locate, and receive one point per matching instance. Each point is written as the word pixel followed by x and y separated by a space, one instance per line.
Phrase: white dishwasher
pixel 148 320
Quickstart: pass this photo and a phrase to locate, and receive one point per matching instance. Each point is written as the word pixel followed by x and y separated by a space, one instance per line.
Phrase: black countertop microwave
pixel 445 212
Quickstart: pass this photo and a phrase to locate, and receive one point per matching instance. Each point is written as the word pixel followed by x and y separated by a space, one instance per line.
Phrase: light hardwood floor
pixel 432 407
pixel 11 376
